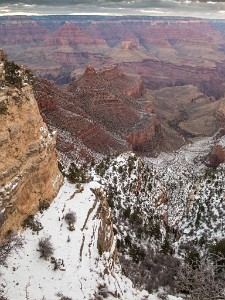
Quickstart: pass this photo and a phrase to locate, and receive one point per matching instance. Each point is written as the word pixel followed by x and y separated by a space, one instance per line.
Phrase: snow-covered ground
pixel 82 272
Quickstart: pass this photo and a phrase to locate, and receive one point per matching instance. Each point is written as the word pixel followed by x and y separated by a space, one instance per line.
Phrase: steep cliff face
pixel 146 135
pixel 28 161
pixel 105 230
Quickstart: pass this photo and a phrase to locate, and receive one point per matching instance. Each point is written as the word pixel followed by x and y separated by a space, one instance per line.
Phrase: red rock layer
pixel 79 134
pixel 21 31
pixel 101 114
pixel 71 35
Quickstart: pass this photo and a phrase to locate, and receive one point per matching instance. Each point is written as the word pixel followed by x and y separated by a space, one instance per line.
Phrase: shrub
pixel 12 243
pixel 70 218
pixel 33 224
pixel 163 296
pixel 43 205
pixel 62 297
pixel 77 175
pixel 219 248
pixel 193 258
pixel 58 263
pixel 103 291
pixel 152 271
pixel 202 283
pixel 61 168
pixel 127 212
pixel 12 74
pixel 45 247
pixel 3 297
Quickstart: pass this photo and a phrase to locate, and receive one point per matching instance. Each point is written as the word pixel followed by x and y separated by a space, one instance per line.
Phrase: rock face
pixel 71 35
pixel 217 156
pixel 29 173
pixel 21 31
pixel 105 230
pixel 145 136
pixel 217 153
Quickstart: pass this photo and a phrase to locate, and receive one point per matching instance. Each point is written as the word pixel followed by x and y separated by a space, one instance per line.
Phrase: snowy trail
pixel 28 276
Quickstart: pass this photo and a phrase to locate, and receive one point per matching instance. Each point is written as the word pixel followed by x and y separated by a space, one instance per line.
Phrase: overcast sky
pixel 194 8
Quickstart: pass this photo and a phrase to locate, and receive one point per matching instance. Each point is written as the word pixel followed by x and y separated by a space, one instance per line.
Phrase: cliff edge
pixel 29 174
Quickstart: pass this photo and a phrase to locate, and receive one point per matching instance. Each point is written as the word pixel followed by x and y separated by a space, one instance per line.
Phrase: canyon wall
pixel 29 174
pixel 163 51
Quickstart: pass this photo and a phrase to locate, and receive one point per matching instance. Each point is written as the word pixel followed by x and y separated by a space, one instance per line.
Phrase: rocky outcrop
pixel 105 231
pixel 137 90
pixel 80 137
pixel 29 174
pixel 117 101
pixel 217 156
pixel 146 136
pixel 158 74
pixel 217 153
pixel 104 111
pixel 184 112
pixel 105 94
pixel 220 112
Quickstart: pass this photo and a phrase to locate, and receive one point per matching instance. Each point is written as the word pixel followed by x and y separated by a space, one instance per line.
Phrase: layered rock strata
pixel 29 174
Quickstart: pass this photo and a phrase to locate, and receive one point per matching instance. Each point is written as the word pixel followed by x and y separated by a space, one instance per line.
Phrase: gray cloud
pixel 125 3
pixel 134 3
pixel 200 8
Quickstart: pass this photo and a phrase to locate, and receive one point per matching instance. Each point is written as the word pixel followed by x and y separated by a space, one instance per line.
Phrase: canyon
pixel 135 107
pixel 155 83
pixel 106 112
pixel 163 51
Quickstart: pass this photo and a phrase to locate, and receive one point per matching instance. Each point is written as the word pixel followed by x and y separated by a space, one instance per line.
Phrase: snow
pixel 82 269
pixel 55 181
pixel 9 188
pixel 222 142
pixel 180 175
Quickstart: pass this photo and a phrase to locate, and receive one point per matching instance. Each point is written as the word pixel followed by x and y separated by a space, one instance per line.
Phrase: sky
pixel 190 8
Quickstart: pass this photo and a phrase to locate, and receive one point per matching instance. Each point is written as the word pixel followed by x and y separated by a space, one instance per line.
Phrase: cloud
pixel 194 8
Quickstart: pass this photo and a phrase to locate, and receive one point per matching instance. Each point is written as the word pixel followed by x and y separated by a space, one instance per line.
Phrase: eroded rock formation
pixel 162 51
pixel 217 153
pixel 104 111
pixel 29 172
pixel 106 239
